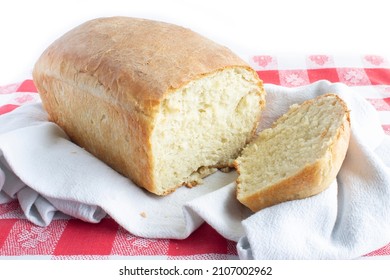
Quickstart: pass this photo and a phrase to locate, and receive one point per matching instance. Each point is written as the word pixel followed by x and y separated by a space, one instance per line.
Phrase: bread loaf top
pixel 138 60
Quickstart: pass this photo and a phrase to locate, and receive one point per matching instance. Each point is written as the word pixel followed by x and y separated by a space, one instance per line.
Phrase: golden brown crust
pixel 105 128
pixel 114 55
pixel 310 180
pixel 110 64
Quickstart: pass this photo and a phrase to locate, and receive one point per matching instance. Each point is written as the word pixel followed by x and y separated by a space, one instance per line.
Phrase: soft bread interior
pixel 299 139
pixel 203 125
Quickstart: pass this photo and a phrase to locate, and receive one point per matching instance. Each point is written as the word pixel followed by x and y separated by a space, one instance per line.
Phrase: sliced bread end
pixel 298 157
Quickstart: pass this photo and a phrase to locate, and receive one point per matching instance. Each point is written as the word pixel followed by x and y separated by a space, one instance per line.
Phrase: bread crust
pixel 104 80
pixel 115 58
pixel 310 180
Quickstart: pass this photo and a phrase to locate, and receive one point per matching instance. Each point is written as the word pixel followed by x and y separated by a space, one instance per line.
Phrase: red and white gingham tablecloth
pixel 75 239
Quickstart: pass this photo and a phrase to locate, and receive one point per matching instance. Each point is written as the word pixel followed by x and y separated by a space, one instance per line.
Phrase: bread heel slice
pixel 298 157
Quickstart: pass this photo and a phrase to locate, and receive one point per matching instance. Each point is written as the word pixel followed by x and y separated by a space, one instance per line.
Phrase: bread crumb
pixel 226 169
pixel 143 214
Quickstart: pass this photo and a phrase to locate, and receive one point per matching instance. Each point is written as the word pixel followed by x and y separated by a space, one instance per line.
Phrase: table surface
pixel 67 238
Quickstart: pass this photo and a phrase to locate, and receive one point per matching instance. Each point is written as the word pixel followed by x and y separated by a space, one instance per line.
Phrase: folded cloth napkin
pixel 349 219
pixel 48 174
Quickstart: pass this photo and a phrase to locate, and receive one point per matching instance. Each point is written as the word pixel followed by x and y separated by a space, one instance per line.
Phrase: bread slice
pixel 299 156
pixel 157 102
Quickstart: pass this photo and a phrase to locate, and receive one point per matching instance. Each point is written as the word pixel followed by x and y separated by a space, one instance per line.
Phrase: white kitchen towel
pixel 53 173
pixel 346 221
pixel 47 173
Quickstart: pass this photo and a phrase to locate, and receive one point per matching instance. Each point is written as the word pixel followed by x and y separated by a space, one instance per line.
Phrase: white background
pixel 246 26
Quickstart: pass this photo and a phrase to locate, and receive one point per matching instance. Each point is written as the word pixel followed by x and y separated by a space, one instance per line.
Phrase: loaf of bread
pixel 299 156
pixel 157 102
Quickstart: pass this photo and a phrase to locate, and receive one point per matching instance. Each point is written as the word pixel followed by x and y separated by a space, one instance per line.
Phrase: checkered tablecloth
pixel 67 238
